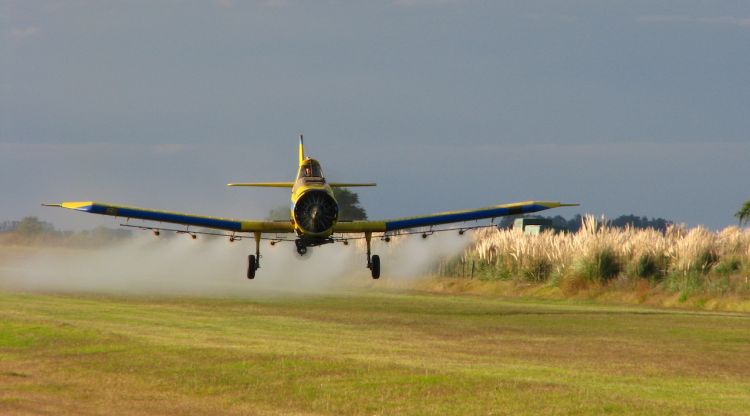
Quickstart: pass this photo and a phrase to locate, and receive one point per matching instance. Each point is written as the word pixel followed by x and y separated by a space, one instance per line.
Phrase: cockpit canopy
pixel 310 169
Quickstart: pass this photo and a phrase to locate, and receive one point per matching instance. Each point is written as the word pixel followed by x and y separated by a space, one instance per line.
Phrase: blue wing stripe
pixel 461 216
pixel 161 216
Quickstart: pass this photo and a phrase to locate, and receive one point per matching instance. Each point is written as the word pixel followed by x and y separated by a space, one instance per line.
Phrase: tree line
pixel 32 230
pixel 574 224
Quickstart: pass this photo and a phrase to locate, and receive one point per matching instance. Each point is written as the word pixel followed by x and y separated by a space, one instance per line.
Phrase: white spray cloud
pixel 180 266
pixel 411 257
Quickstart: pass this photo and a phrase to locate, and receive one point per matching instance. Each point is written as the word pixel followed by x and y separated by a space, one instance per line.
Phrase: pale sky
pixel 627 107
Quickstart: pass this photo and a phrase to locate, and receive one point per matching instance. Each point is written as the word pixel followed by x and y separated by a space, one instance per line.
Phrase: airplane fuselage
pixel 314 210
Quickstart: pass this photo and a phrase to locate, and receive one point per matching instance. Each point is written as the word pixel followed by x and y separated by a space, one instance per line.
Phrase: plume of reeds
pixel 599 252
pixel 695 251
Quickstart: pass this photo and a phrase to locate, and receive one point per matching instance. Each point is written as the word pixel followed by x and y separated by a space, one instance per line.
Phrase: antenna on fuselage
pixel 301 149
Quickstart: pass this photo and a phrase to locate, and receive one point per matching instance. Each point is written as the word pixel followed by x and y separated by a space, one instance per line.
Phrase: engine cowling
pixel 316 212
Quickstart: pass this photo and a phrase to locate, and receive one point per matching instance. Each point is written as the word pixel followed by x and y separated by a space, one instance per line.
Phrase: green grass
pixel 366 353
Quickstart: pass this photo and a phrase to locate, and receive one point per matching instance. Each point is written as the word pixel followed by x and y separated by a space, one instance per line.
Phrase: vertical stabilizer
pixel 301 150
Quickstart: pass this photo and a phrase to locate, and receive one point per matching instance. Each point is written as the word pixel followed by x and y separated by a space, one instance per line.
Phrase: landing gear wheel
pixel 375 266
pixel 252 266
pixel 301 248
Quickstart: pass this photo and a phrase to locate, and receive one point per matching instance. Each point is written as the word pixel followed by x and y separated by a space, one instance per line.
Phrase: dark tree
pixel 640 222
pixel 9 226
pixel 280 213
pixel 743 215
pixel 574 224
pixel 349 208
pixel 31 226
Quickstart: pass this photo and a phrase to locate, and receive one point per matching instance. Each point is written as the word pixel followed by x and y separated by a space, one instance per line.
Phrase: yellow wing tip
pixel 71 205
pixel 555 204
pixel 76 204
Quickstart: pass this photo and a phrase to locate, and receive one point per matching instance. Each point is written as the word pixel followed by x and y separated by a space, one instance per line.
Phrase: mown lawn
pixel 366 353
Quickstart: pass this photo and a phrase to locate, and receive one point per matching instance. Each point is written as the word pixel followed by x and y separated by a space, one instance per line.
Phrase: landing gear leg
pixel 373 262
pixel 253 260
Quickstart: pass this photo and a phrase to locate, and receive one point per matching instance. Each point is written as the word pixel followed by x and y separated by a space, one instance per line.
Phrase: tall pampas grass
pixel 599 253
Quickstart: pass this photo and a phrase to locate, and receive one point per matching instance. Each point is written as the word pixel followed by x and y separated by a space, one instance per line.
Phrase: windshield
pixel 311 169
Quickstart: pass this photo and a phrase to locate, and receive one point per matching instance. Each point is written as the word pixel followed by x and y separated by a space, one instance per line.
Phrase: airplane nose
pixel 315 211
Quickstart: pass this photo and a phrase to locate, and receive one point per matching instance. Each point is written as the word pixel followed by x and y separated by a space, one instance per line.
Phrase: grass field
pixel 366 353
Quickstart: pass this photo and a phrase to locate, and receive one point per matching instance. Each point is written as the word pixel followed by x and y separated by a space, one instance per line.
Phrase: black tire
pixel 252 266
pixel 375 266
pixel 301 247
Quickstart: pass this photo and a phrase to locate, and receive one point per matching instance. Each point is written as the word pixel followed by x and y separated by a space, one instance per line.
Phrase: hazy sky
pixel 626 106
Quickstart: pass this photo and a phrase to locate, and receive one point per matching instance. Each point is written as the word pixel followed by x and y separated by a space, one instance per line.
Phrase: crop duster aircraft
pixel 314 217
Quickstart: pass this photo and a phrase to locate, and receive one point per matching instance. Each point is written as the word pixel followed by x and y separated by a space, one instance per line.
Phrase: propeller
pixel 316 211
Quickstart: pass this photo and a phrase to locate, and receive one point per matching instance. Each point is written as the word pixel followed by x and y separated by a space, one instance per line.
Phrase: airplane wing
pixel 178 218
pixel 349 184
pixel 264 184
pixel 291 184
pixel 446 217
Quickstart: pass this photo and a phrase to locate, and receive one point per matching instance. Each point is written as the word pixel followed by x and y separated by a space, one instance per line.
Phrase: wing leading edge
pixel 178 218
pixel 447 217
pixel 291 184
pixel 264 184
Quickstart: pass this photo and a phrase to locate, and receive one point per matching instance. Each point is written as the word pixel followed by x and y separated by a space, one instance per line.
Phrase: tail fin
pixel 301 150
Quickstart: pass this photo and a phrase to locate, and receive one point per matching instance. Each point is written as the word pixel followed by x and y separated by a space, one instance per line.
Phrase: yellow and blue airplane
pixel 314 217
